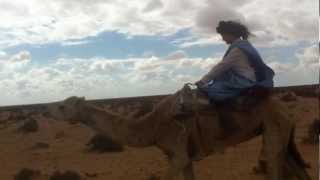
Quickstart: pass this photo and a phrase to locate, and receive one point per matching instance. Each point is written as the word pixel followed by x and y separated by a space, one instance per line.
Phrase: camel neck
pixel 132 132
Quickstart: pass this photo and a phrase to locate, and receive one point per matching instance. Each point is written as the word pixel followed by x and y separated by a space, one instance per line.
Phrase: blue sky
pixel 50 50
pixel 115 45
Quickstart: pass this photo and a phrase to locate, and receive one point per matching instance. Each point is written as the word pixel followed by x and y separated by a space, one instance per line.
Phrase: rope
pixel 180 124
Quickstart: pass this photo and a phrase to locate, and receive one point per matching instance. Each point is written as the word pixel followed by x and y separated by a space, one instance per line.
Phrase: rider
pixel 241 67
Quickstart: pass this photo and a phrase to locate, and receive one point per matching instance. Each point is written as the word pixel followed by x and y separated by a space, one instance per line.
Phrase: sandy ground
pixel 67 151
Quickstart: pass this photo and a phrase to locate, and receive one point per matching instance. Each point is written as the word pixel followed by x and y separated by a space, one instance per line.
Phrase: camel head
pixel 68 110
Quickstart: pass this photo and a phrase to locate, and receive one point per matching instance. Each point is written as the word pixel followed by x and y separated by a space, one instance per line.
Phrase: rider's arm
pixel 234 57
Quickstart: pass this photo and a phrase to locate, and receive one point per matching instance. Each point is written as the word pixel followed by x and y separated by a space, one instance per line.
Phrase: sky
pixel 50 50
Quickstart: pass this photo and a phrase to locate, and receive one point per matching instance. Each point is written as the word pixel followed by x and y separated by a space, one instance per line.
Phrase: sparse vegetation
pixel 68 175
pixel 30 125
pixel 153 177
pixel 26 174
pixel 60 134
pixel 288 97
pixel 17 115
pixel 91 175
pixel 100 143
pixel 40 145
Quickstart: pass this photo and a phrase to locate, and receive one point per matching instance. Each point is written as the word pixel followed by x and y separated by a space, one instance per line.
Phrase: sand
pixel 67 151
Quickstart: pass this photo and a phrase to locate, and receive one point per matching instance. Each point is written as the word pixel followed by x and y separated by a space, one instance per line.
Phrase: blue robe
pixel 230 84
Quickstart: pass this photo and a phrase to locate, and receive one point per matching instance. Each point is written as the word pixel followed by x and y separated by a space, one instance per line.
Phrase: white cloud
pixel 208 18
pixel 281 67
pixel 153 5
pixel 21 56
pixel 274 22
pixel 176 55
pixel 106 78
pixel 203 41
pixel 2 54
pixel 309 57
pixel 95 78
pixel 297 21
pixel 304 71
pixel 73 43
pixel 15 62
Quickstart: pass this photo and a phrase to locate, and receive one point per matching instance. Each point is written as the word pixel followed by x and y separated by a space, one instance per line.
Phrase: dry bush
pixel 288 97
pixel 17 116
pixel 100 143
pixel 60 135
pixel 40 145
pixel 68 175
pixel 30 125
pixel 153 177
pixel 91 175
pixel 26 174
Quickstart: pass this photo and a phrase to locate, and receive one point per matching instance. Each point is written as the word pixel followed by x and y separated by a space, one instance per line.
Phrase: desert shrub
pixel 17 115
pixel 153 177
pixel 26 174
pixel 30 125
pixel 288 97
pixel 101 143
pixel 60 135
pixel 68 175
pixel 40 145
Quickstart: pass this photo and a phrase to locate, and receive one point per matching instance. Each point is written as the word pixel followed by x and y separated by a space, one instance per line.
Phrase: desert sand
pixel 67 151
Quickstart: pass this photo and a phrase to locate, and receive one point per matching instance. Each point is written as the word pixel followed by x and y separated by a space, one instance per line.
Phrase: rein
pixel 195 108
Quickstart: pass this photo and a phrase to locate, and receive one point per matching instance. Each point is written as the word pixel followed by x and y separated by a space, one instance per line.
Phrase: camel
pixel 185 139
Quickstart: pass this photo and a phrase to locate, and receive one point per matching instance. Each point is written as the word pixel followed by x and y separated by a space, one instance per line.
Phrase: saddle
pixel 247 99
pixel 194 100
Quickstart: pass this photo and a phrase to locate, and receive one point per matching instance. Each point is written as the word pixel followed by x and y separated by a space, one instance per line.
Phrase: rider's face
pixel 228 38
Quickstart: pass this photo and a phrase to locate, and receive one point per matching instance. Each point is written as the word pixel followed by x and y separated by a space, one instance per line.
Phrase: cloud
pixel 281 67
pixel 309 57
pixel 98 78
pixel 153 5
pixel 15 62
pixel 95 78
pixel 74 43
pixel 35 22
pixel 208 18
pixel 2 54
pixel 200 42
pixel 176 55
pixel 21 56
pixel 303 71
pixel 297 24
